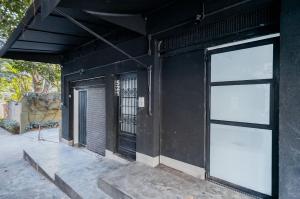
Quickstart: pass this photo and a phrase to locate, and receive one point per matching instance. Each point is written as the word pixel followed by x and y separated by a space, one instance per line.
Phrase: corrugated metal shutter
pixel 96 118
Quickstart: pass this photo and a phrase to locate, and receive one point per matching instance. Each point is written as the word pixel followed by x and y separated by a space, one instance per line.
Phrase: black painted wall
pixel 182 131
pixel 109 63
pixel 289 118
pixel 177 127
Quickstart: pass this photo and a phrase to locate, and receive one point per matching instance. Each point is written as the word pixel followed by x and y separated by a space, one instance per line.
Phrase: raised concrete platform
pixel 136 181
pixel 83 174
pixel 75 171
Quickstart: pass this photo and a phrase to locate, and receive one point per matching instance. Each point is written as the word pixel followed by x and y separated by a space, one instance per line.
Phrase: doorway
pixel 96 120
pixel 242 116
pixel 127 115
pixel 82 101
pixel 89 115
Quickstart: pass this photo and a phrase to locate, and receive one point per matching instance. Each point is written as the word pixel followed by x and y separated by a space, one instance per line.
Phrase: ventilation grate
pixel 206 32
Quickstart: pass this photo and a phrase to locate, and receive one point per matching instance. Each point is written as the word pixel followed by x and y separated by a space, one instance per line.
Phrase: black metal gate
pixel 82 117
pixel 127 115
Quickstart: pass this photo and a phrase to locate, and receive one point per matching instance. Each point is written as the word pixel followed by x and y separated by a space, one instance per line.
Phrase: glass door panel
pixel 241 92
pixel 242 156
pixel 241 103
pixel 245 64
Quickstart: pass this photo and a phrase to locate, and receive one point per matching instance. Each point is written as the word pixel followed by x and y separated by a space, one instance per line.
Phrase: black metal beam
pixel 49 37
pixel 20 50
pixel 100 37
pixel 59 24
pixel 48 6
pixel 47 43
pixel 141 64
pixel 34 56
pixel 59 33
pixel 38 46
pixel 126 6
pixel 133 22
pixel 83 18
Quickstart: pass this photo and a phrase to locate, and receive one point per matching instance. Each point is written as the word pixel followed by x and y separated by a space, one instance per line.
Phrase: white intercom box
pixel 141 102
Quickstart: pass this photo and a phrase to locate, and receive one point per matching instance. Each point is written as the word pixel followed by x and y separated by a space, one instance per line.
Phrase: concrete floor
pixel 92 176
pixel 138 181
pixel 76 168
pixel 83 174
pixel 17 178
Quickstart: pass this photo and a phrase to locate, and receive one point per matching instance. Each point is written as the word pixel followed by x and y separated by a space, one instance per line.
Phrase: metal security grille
pixel 127 115
pixel 128 103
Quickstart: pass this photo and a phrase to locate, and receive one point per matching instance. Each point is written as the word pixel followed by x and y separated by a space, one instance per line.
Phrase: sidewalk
pixel 73 170
pixel 17 178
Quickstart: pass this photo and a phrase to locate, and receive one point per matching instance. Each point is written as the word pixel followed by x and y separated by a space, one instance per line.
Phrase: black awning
pixel 43 35
pixel 112 6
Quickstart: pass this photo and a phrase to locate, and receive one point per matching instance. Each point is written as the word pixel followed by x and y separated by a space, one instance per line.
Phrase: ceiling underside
pixel 46 35
pixel 44 32
pixel 111 6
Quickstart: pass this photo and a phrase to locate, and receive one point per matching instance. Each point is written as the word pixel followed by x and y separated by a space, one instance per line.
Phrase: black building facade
pixel 209 88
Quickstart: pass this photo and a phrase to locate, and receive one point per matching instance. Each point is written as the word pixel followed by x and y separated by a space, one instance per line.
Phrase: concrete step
pixel 80 174
pixel 137 181
pixel 59 182
pixel 74 171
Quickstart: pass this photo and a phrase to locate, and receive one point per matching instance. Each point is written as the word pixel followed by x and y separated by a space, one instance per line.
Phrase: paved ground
pixel 17 178
pixel 82 170
pixel 77 171
pixel 139 181
pixel 77 168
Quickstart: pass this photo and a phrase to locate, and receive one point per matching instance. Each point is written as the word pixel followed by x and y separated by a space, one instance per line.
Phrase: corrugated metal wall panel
pixel 96 118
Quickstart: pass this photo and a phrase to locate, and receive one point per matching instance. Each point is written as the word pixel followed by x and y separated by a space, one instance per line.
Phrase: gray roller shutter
pixel 96 127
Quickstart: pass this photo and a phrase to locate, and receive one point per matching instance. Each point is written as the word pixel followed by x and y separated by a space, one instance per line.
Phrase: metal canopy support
pixel 134 22
pixel 47 7
pixel 141 64
pixel 99 37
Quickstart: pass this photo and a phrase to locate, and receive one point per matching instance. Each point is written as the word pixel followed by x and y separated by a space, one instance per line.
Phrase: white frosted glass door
pixel 240 117
pixel 244 64
pixel 241 103
pixel 242 156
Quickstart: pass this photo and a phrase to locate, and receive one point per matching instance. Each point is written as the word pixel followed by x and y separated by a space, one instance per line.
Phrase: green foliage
pixel 44 77
pixel 20 77
pixel 10 125
pixel 13 83
pixel 11 13
pixel 44 125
